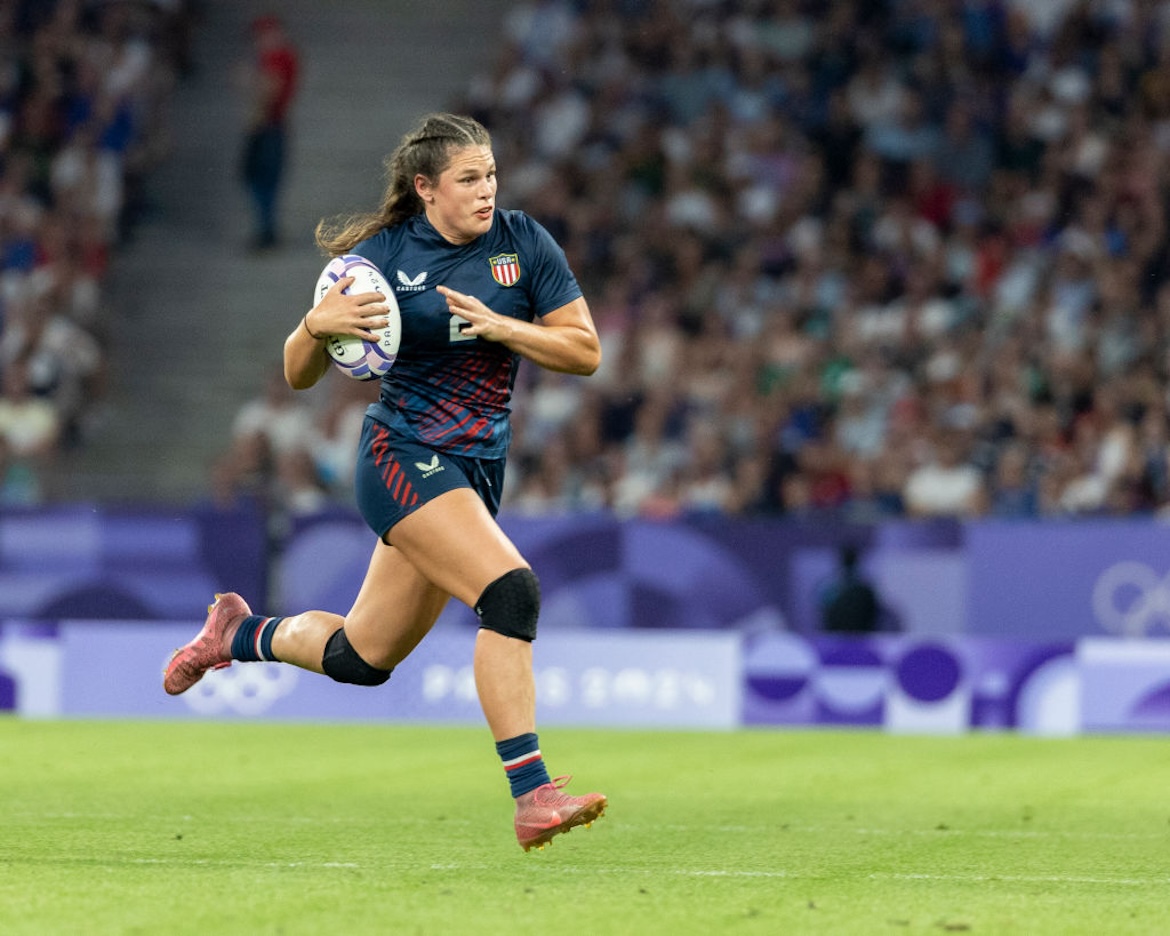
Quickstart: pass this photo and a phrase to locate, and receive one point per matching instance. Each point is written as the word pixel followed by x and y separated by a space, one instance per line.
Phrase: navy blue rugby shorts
pixel 396 475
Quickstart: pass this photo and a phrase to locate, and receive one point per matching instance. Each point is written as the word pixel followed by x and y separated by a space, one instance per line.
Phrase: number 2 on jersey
pixel 457 325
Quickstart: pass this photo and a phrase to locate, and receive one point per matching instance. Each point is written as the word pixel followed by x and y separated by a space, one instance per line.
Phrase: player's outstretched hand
pixel 482 322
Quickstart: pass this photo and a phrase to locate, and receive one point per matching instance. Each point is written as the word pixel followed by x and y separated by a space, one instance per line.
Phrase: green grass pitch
pixel 261 828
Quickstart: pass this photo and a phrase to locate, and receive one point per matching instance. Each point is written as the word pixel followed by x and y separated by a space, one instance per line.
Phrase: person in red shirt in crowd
pixel 277 64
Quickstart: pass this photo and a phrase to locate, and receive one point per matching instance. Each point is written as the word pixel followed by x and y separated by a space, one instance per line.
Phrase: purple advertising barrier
pixel 909 684
pixel 84 561
pixel 663 678
pixel 922 590
pixel 1126 685
pixel 595 571
pixel 30 668
pixel 582 678
pixel 717 573
pixel 1066 580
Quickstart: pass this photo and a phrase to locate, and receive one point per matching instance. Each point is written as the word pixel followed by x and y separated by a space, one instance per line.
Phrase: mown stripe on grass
pixel 770 829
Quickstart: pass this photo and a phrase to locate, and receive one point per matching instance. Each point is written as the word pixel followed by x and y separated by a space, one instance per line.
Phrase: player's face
pixel 461 202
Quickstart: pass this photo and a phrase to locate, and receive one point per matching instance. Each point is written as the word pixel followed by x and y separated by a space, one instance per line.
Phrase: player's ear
pixel 423 188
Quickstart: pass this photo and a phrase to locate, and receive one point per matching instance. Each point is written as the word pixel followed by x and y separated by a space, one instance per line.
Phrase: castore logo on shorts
pixel 429 468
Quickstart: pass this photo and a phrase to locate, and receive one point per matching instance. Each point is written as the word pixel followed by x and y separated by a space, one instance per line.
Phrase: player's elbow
pixel 588 368
pixel 590 360
pixel 297 382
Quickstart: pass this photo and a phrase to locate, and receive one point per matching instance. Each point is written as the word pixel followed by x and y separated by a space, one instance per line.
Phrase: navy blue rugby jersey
pixel 446 389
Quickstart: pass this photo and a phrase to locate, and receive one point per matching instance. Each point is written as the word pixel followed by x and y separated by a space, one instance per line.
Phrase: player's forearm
pixel 305 361
pixel 568 349
pixel 565 340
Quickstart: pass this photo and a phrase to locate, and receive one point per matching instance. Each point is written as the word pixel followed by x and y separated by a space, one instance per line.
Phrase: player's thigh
pixel 455 543
pixel 395 608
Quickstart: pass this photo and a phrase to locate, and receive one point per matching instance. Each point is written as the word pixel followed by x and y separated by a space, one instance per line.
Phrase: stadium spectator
pixel 945 483
pixel 1012 492
pixel 284 419
pixel 19 486
pixel 264 159
pixel 336 431
pixel 30 424
pixel 849 603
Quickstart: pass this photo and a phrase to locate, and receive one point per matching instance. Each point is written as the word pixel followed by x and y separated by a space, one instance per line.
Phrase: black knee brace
pixel 342 663
pixel 511 604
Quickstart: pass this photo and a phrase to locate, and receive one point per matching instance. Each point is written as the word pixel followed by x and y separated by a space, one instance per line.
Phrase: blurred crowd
pixel 865 259
pixel 83 94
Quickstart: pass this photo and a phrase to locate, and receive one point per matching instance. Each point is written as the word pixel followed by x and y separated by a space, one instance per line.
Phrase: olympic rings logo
pixel 1131 599
pixel 242 688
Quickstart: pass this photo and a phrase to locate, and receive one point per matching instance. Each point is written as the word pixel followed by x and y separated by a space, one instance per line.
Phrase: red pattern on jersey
pixel 476 384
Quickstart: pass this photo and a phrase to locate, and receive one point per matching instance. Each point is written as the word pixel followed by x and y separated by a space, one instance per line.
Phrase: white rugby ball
pixel 355 357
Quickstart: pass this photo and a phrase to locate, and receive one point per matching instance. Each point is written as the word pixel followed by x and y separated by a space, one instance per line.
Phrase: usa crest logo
pixel 505 268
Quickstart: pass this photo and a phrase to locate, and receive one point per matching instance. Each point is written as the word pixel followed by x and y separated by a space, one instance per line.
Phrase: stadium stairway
pixel 197 321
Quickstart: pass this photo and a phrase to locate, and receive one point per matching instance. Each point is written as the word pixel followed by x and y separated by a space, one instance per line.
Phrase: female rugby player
pixel 479 288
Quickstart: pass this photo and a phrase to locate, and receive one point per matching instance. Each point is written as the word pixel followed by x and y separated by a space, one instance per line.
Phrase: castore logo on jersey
pixel 418 284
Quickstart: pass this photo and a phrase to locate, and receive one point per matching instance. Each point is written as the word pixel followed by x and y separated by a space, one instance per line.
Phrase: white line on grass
pixel 932 831
pixel 206 862
pixel 648 872
pixel 1005 833
pixel 1024 879
pixel 733 873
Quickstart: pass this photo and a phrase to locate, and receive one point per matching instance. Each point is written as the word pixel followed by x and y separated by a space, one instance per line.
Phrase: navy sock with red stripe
pixel 523 763
pixel 253 638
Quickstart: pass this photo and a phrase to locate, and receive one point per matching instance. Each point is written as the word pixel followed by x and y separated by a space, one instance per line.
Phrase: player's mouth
pixel 485 213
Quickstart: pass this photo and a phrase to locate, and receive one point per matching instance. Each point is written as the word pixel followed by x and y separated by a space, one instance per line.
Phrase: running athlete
pixel 479 288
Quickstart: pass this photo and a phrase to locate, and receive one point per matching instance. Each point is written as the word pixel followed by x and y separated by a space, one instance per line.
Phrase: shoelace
pixel 545 796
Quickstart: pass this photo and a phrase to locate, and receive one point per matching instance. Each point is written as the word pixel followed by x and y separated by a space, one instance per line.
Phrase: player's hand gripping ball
pixel 358 358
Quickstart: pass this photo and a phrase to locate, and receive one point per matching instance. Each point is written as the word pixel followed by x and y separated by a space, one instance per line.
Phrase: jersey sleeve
pixel 376 249
pixel 552 284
